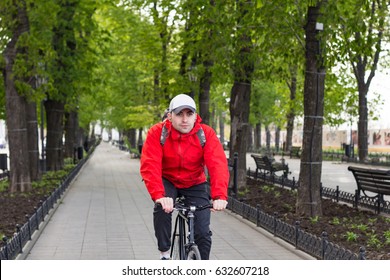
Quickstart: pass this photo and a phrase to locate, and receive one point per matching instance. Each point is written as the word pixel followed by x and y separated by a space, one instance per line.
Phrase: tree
pixel 309 196
pixel 163 16
pixel 125 77
pixel 200 42
pixel 357 30
pixel 242 68
pixel 68 74
pixel 292 85
pixel 86 37
pixel 62 68
pixel 264 110
pixel 283 65
pixel 14 53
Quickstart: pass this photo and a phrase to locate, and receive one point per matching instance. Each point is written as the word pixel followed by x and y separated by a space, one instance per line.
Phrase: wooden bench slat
pixel 373 174
pixel 373 177
pixel 368 170
pixel 376 181
pixel 376 189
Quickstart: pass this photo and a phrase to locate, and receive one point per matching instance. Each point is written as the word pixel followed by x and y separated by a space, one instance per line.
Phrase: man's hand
pixel 219 204
pixel 166 204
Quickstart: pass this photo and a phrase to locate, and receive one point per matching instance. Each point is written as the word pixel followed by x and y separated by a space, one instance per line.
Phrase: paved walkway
pixel 106 214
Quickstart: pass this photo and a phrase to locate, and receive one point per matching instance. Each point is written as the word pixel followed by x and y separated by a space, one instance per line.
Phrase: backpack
pixel 200 133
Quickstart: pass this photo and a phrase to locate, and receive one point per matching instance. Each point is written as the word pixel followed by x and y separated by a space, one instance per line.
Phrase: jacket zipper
pixel 180 156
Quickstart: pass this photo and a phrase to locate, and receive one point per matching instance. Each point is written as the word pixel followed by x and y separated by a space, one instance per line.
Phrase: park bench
pixel 269 166
pixel 295 151
pixel 4 175
pixel 376 181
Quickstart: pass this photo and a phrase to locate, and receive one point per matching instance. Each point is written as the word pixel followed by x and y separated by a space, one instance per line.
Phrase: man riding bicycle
pixel 173 164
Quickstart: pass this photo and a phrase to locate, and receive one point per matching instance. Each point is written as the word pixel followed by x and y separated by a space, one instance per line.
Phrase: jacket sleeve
pixel 216 163
pixel 151 163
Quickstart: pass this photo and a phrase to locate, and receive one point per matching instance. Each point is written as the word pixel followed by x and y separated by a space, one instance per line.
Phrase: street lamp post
pixel 43 138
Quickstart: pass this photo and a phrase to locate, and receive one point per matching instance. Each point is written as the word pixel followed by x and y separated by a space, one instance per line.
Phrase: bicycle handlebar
pixel 193 208
pixel 179 206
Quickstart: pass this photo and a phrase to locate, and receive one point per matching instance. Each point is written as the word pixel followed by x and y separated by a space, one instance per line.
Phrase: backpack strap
pixel 201 136
pixel 200 133
pixel 164 135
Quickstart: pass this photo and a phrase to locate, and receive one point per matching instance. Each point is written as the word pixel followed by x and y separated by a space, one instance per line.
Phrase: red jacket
pixel 181 160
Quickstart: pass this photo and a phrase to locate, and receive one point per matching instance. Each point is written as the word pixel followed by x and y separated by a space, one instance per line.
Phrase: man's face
pixel 184 121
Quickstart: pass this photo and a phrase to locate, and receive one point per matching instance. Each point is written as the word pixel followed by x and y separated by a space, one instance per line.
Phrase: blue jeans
pixel 197 195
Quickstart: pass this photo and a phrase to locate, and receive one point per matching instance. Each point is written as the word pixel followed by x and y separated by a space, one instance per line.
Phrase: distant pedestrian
pixel 377 138
pixel 387 138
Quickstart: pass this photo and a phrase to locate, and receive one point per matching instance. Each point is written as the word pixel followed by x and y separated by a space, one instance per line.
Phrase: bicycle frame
pixel 183 235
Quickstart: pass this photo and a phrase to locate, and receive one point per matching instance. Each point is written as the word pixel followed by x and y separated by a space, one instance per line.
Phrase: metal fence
pixel 335 194
pixel 14 246
pixel 318 247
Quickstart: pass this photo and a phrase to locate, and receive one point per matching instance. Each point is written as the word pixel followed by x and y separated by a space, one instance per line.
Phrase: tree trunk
pixel 161 22
pixel 363 123
pixel 360 70
pixel 213 117
pixel 32 132
pixel 71 137
pixel 69 145
pixel 140 140
pixel 258 136
pixel 222 127
pixel 362 65
pixel 204 94
pixel 249 137
pixel 291 113
pixel 20 180
pixel 309 197
pixel 131 137
pixel 55 130
pixel 239 112
pixel 267 138
pixel 91 133
pixel 277 138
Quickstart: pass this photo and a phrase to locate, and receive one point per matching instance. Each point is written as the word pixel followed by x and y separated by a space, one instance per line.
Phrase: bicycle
pixel 184 229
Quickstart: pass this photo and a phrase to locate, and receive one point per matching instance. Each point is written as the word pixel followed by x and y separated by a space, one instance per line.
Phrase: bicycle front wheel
pixel 178 240
pixel 177 248
pixel 193 253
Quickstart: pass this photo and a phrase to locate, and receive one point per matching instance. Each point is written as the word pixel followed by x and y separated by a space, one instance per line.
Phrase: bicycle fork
pixel 191 235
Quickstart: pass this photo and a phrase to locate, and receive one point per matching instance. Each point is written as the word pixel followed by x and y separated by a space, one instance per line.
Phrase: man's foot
pixel 165 255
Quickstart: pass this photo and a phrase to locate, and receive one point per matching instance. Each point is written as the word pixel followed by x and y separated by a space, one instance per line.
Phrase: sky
pixel 381 84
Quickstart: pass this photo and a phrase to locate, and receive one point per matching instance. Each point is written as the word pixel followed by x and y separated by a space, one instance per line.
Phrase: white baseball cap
pixel 180 102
